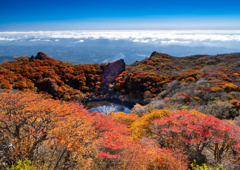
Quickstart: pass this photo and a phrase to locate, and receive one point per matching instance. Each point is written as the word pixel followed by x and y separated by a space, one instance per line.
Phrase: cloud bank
pixel 162 37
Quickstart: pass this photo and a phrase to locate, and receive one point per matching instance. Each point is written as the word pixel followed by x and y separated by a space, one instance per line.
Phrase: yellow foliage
pixel 192 79
pixel 183 81
pixel 141 127
pixel 212 78
pixel 215 89
pixel 124 117
pixel 197 113
pixel 30 84
pixel 226 86
pixel 230 87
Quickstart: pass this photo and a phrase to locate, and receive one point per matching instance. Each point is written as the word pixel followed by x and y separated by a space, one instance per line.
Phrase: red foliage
pixel 114 146
pixel 198 132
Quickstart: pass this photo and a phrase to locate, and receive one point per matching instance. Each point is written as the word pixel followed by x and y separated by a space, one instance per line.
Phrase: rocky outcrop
pixel 49 86
pixel 39 56
pixel 110 73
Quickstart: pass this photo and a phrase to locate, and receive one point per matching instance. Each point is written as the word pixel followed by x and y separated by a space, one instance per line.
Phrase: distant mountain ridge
pixel 97 51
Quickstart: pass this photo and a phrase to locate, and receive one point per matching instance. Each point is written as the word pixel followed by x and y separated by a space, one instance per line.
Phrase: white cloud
pixel 34 40
pixel 164 37
pixel 7 39
pixel 141 55
pixel 80 41
pixel 39 39
pixel 175 42
pixel 135 40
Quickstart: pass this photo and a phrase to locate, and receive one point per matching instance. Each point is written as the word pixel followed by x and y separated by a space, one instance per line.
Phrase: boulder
pixel 49 86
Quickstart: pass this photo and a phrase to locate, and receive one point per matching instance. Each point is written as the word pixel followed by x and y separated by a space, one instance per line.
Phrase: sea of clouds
pixel 217 38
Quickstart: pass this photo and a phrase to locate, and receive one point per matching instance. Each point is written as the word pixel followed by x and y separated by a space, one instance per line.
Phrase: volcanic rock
pixel 49 86
pixel 111 72
pixel 41 56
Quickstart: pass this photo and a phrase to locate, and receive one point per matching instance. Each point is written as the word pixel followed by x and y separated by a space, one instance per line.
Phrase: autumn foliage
pixel 64 135
pixel 196 133
pixel 42 121
pixel 40 129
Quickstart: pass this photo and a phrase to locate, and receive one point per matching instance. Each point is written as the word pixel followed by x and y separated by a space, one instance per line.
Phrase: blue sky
pixel 26 15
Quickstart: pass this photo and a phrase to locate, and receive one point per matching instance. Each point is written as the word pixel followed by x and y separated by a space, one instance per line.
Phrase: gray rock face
pixel 202 82
pixel 211 62
pixel 173 84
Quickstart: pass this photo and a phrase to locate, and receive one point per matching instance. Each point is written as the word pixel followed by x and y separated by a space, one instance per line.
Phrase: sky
pixel 46 15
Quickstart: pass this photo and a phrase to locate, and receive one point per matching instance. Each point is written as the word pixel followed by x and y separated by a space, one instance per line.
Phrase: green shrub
pixel 194 166
pixel 213 98
pixel 24 165
pixel 184 107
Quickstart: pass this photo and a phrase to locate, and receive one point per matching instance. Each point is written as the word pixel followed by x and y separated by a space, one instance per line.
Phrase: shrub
pixel 21 84
pixel 38 128
pixel 230 87
pixel 196 98
pixel 147 94
pixel 124 117
pixel 216 89
pixel 197 68
pixel 141 127
pixel 25 165
pixel 229 96
pixel 184 107
pixel 194 166
pixel 192 79
pixel 194 133
pixel 235 74
pixel 6 86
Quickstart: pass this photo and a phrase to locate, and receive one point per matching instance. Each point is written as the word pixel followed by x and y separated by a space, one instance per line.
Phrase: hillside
pixel 186 113
pixel 197 81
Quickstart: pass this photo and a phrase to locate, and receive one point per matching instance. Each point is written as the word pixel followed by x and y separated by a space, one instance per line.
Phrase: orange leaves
pixel 192 79
pixel 30 122
pixel 235 102
pixel 196 98
pixel 146 154
pixel 27 74
pixel 6 86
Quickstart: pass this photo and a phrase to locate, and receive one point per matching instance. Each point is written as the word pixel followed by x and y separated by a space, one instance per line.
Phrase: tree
pixel 195 132
pixel 41 129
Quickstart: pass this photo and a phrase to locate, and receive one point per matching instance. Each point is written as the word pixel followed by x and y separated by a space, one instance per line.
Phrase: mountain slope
pixel 199 81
